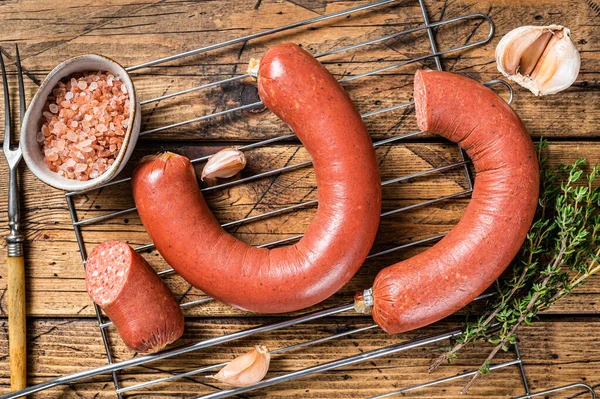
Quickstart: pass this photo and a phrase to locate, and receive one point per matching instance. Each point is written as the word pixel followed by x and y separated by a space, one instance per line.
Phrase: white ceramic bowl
pixel 32 123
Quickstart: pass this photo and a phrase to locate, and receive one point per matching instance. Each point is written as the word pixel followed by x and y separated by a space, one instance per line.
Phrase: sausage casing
pixel 446 277
pixel 133 296
pixel 298 89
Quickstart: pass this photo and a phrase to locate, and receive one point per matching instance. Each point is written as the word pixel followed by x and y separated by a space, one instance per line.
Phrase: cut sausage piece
pixel 446 277
pixel 133 296
pixel 297 88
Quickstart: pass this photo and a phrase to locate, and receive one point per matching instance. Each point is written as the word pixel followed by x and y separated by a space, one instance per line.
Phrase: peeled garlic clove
pixel 247 369
pixel 225 163
pixel 542 59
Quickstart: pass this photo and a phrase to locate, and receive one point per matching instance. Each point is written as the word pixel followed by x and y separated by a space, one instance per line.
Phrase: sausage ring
pixel 446 277
pixel 298 89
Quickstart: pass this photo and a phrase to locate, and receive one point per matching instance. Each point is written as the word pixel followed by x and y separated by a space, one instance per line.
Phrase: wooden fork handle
pixel 16 323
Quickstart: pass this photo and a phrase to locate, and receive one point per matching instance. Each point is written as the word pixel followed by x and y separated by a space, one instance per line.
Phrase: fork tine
pixel 21 86
pixel 6 105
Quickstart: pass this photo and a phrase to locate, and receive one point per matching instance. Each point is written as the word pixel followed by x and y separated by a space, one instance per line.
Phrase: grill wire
pixel 113 367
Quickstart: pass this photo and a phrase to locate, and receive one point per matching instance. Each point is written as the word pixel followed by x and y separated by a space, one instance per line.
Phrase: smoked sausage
pixel 446 277
pixel 133 296
pixel 298 89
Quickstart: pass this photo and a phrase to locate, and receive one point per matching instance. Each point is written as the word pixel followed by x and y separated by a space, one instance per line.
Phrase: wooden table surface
pixel 563 347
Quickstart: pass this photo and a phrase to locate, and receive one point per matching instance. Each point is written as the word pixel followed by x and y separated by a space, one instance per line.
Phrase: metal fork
pixel 14 241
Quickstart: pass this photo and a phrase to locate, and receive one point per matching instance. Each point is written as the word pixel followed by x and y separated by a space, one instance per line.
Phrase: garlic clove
pixel 247 369
pixel 559 65
pixel 223 164
pixel 542 59
pixel 530 57
pixel 513 45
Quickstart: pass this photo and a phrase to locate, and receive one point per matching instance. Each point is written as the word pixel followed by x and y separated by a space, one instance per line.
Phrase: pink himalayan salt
pixel 84 122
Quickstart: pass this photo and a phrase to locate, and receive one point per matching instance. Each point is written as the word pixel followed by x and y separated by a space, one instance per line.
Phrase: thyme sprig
pixel 561 251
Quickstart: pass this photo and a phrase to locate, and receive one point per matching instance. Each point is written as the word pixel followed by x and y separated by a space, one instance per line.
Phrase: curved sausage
pixel 446 277
pixel 133 296
pixel 298 89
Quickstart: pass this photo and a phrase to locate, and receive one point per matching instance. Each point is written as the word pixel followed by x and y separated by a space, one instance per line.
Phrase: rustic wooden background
pixel 562 347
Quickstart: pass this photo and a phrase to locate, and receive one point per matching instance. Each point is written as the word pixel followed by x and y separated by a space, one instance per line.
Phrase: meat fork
pixel 14 242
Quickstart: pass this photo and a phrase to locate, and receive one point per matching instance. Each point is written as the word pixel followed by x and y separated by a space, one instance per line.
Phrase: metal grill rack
pixel 104 324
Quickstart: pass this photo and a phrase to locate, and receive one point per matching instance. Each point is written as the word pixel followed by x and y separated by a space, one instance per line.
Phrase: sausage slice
pixel 133 296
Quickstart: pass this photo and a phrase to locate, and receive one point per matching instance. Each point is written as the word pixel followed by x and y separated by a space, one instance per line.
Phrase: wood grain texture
pixel 138 31
pixel 17 328
pixel 55 275
pixel 63 337
pixel 556 351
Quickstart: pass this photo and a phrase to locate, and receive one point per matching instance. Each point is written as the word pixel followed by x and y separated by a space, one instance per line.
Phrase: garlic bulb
pixel 542 59
pixel 224 163
pixel 247 369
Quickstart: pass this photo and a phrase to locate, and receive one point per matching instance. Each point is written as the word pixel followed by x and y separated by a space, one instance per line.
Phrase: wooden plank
pixel 138 31
pixel 555 352
pixel 55 276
